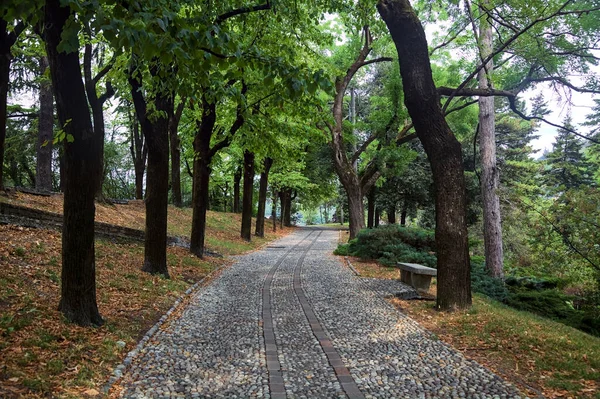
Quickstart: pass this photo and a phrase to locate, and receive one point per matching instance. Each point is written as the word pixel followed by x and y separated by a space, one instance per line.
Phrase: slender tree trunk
pixel 371 208
pixel 403 217
pixel 391 214
pixel 157 180
pixel 43 181
pixel 377 216
pixel 82 174
pixel 237 177
pixel 175 146
pixel 492 227
pixel 443 150
pixel 246 232
pixel 262 198
pixel 274 211
pixel 282 207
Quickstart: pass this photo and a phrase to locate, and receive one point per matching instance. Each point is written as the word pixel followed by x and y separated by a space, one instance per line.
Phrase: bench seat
pixel 417 276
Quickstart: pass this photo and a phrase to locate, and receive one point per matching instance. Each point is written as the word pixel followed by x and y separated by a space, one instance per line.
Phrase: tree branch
pixel 242 10
pixel 375 60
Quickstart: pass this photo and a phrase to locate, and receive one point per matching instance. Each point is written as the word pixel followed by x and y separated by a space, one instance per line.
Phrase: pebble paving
pixel 292 321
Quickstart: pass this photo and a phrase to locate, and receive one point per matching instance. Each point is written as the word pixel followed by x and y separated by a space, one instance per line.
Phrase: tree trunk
pixel 157 179
pixel 274 211
pixel 356 211
pixel 82 173
pixel 175 146
pixel 403 217
pixel 492 227
pixel 391 214
pixel 371 208
pixel 202 177
pixel 282 207
pixel 377 216
pixel 443 150
pixel 237 177
pixel 262 198
pixel 43 181
pixel 139 153
pixel 246 232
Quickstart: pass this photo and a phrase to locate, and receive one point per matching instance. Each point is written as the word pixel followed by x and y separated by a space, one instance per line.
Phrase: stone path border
pixel 335 360
pixel 276 383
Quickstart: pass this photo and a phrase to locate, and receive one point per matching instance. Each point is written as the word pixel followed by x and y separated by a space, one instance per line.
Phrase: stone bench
pixel 417 276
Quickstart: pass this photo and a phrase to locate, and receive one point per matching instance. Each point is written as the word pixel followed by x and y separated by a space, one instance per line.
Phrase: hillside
pixel 42 355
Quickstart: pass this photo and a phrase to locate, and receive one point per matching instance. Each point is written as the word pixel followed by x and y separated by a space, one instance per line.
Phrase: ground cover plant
pixel 41 354
pixel 391 244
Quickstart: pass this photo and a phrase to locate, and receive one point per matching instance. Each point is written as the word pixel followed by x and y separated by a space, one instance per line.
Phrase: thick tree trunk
pixel 492 227
pixel 157 179
pixel 82 174
pixel 175 146
pixel 371 208
pixel 377 216
pixel 391 214
pixel 237 177
pixel 6 43
pixel 356 211
pixel 246 232
pixel 442 148
pixel 262 198
pixel 43 167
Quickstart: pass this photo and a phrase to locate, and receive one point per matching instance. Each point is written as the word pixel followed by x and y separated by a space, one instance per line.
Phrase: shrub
pixel 483 283
pixel 391 241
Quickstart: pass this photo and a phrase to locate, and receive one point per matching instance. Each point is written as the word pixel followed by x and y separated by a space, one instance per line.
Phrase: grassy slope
pixel 40 354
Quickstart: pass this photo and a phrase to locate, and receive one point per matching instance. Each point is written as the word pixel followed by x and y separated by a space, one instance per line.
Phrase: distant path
pixel 291 321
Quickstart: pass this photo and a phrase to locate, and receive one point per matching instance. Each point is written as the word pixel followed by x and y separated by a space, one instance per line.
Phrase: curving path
pixel 291 321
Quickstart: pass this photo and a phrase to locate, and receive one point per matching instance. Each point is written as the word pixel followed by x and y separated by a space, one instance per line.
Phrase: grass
pixel 540 356
pixel 42 355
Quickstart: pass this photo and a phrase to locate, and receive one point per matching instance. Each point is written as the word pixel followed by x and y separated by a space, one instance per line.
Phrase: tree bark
pixel 175 146
pixel 82 174
pixel 391 214
pixel 7 40
pixel 246 232
pixel 377 216
pixel 371 208
pixel 403 217
pixel 262 198
pixel 442 148
pixel 202 171
pixel 492 227
pixel 43 181
pixel 139 154
pixel 157 179
pixel 237 177
pixel 274 211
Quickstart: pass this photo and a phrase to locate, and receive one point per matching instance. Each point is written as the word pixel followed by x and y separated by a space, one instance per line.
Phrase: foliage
pixel 390 244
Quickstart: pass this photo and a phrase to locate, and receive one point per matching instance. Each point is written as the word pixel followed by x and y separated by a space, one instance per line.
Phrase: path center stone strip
pixel 341 371
pixel 276 383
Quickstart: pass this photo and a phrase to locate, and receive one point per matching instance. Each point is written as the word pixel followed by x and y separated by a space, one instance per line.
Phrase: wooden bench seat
pixel 417 276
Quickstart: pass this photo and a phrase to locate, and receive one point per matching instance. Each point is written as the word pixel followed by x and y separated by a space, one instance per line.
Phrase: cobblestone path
pixel 291 321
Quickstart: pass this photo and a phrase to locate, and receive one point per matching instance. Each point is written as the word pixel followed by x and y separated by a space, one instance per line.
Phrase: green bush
pixel 342 250
pixel 483 283
pixel 393 242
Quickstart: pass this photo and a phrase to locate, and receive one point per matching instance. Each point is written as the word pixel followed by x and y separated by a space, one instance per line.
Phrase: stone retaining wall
pixel 35 218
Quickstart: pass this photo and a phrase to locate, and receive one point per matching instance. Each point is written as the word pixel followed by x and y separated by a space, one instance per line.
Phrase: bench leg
pixel 405 277
pixel 420 282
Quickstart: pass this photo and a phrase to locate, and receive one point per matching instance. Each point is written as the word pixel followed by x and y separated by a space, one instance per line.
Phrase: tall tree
pixel 155 130
pixel 262 197
pixel 492 228
pixel 175 146
pixel 247 202
pixel 8 37
pixel 43 175
pixel 444 151
pixel 82 168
